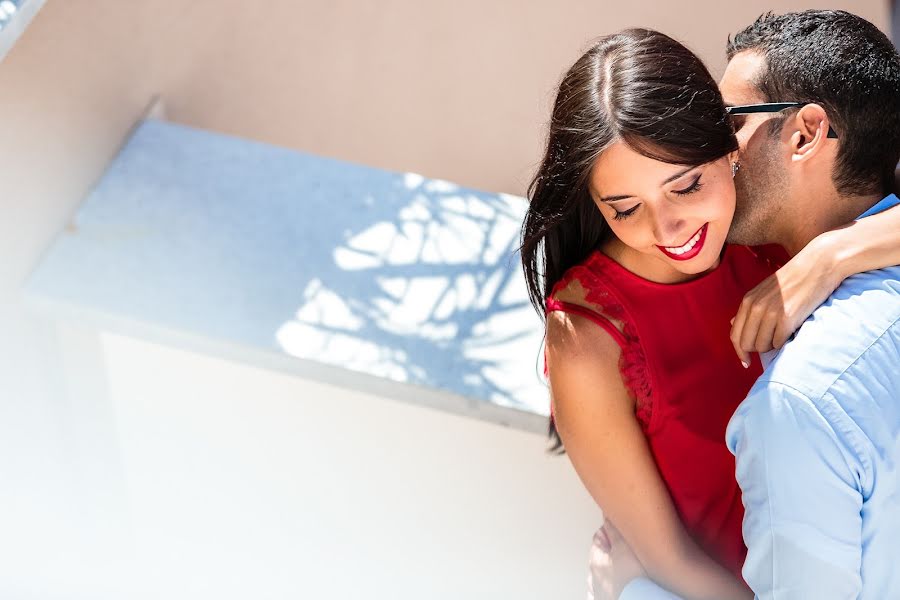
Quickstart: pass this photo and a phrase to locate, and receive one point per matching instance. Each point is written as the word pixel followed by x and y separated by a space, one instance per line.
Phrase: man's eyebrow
pixel 668 180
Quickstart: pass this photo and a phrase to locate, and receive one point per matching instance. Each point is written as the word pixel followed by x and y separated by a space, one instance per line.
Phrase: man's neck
pixel 817 214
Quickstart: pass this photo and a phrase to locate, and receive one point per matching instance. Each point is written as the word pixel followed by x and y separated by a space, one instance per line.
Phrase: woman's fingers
pixel 783 333
pixel 752 323
pixel 762 322
pixel 601 540
pixel 612 534
pixel 601 578
pixel 765 332
pixel 737 330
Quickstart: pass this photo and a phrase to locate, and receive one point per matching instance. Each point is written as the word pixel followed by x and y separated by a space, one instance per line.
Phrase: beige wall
pixel 457 90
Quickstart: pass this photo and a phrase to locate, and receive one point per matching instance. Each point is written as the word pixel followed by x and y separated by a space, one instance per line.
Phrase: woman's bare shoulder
pixel 577 335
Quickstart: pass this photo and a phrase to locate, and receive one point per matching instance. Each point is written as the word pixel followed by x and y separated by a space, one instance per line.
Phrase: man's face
pixel 761 183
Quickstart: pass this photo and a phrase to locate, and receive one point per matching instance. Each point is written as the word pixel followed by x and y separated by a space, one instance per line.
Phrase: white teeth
pixel 687 247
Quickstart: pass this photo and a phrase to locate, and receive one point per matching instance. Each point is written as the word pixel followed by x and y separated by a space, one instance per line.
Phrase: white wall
pixel 132 470
pixel 253 484
pixel 200 478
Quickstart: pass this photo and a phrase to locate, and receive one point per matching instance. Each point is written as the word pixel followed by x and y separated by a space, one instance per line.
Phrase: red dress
pixel 678 361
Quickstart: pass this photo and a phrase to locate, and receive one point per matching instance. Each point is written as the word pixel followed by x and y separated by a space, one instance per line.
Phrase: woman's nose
pixel 668 226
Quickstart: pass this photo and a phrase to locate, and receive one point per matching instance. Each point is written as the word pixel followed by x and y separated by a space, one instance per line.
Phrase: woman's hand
pixel 772 311
pixel 612 564
pixel 776 308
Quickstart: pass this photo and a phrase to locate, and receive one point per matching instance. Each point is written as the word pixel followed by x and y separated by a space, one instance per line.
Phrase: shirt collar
pixel 885 203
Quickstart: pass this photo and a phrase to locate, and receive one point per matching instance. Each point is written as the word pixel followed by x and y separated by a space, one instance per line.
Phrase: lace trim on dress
pixel 632 363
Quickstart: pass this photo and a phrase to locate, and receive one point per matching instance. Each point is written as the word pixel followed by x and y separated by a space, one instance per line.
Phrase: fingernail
pixel 746 364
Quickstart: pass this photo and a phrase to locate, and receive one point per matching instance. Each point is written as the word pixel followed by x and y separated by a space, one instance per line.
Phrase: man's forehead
pixel 738 83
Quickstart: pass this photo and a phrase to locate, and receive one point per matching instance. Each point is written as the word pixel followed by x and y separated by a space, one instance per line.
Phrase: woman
pixel 642 372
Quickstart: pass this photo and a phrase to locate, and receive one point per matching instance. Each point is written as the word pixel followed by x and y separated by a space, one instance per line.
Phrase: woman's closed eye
pixel 694 187
pixel 625 213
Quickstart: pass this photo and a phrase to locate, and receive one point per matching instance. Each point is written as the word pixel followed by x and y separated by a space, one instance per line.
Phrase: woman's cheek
pixel 623 230
pixel 721 206
pixel 636 237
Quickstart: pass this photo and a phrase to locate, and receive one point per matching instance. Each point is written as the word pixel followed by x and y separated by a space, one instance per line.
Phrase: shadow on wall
pixel 389 274
pixel 423 286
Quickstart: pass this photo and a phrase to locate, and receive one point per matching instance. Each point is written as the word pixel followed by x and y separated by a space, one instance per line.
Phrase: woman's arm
pixel 595 418
pixel 772 311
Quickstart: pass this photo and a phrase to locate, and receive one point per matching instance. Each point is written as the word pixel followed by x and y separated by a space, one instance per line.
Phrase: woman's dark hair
pixel 637 86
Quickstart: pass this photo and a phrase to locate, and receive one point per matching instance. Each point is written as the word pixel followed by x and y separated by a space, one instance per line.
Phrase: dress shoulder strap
pixel 632 364
pixel 599 319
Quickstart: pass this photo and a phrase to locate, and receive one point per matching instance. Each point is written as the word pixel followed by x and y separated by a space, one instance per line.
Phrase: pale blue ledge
pixel 373 280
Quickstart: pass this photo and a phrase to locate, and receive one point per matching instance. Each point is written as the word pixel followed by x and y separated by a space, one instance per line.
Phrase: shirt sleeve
pixel 798 474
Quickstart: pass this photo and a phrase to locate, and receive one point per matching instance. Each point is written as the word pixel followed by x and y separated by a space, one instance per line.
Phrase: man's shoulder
pixel 851 343
pixel 882 283
pixel 770 416
pixel 838 333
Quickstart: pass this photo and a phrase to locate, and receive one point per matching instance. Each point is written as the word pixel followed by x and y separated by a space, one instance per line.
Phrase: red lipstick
pixel 698 239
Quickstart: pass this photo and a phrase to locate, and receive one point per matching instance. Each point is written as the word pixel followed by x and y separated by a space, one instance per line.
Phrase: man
pixel 817 440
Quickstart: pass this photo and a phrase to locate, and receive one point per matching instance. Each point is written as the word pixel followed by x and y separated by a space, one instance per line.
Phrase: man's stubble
pixel 762 195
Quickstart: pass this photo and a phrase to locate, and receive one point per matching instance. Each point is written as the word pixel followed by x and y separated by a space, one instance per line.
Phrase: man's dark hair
pixel 849 67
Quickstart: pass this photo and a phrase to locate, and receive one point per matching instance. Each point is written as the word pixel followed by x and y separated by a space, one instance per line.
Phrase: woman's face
pixel 673 214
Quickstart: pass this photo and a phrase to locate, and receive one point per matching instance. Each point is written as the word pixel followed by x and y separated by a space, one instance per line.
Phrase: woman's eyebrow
pixel 613 198
pixel 678 174
pixel 669 180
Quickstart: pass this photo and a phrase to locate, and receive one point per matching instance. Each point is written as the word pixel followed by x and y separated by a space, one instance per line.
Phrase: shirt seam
pixel 772 498
pixel 831 384
pixel 822 401
pixel 771 532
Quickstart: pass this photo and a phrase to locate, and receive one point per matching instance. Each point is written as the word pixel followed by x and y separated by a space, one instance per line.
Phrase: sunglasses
pixel 770 107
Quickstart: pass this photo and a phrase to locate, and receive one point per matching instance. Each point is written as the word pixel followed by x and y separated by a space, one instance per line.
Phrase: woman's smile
pixel 690 249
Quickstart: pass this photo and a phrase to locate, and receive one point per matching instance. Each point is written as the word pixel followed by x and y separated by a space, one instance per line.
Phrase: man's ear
pixel 808 131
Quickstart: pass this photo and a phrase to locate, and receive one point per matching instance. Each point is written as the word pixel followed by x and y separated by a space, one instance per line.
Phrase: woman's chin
pixel 697 267
pixel 701 263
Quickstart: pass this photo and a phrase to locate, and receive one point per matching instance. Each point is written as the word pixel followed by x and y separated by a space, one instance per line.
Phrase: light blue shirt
pixel 817 449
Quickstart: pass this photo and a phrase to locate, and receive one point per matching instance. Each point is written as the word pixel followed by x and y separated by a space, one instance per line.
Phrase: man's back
pixel 817 443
